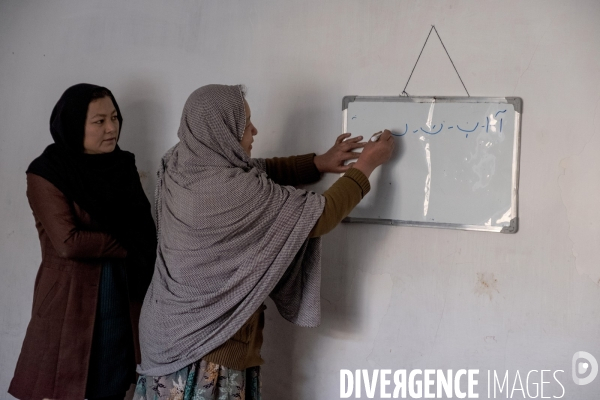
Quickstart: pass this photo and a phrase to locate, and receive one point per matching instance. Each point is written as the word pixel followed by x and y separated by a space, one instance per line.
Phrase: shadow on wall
pixel 289 351
pixel 143 124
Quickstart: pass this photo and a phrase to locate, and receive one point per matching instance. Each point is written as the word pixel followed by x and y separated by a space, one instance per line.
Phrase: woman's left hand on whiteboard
pixel 333 160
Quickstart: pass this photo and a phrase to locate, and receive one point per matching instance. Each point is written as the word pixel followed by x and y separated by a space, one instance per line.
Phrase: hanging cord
pixel 404 93
pixel 415 66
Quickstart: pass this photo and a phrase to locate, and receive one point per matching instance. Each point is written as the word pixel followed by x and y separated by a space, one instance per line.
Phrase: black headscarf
pixel 107 186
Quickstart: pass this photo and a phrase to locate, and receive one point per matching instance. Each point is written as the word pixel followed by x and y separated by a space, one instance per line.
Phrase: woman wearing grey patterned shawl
pixel 233 230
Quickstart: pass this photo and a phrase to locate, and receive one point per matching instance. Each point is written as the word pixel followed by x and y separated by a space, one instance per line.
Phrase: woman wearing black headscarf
pixel 98 244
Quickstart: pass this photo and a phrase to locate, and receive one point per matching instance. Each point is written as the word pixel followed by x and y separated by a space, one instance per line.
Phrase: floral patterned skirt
pixel 201 380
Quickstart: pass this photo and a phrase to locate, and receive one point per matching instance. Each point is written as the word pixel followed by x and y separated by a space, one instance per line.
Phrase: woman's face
pixel 101 127
pixel 249 132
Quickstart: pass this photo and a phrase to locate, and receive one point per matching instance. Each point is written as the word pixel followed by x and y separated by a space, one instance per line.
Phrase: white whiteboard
pixel 456 162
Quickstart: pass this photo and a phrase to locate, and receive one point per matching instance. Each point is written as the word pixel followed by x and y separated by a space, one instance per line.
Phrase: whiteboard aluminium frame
pixel 517 103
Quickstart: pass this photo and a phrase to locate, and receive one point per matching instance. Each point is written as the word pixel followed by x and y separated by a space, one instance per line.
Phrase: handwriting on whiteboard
pixel 492 123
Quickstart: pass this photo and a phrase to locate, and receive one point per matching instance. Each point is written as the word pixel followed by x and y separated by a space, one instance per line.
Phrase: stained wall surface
pixel 392 297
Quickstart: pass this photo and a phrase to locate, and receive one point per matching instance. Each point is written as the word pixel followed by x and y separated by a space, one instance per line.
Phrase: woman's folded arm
pixel 53 210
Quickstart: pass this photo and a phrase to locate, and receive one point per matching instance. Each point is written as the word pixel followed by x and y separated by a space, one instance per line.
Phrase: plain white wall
pixel 393 297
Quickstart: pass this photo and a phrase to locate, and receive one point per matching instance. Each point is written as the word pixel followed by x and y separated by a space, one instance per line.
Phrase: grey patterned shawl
pixel 228 238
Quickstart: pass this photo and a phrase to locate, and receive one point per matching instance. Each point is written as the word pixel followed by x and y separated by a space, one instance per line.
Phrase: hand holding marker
pixel 376 152
pixel 376 136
